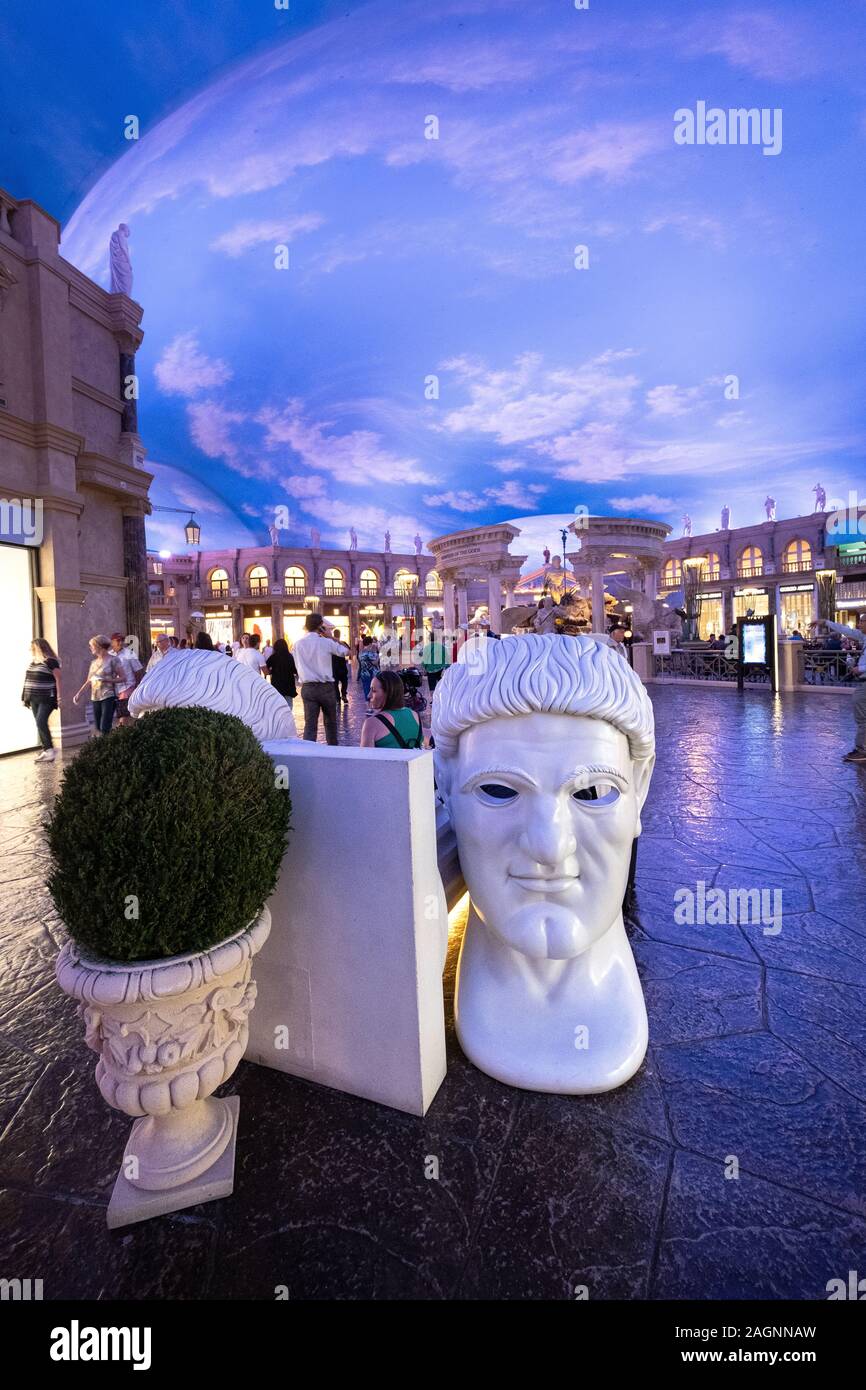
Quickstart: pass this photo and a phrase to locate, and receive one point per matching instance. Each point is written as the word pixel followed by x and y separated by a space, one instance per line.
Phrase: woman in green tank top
pixel 391 724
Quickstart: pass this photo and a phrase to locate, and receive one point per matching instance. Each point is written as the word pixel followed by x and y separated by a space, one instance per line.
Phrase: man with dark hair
pixel 313 655
pixel 340 667
pixel 617 633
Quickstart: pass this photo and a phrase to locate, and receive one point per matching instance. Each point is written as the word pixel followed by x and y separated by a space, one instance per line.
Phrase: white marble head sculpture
pixel 216 682
pixel 544 753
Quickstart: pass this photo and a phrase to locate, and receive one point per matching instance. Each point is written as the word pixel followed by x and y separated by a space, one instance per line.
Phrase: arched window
pixel 405 584
pixel 712 570
pixel 335 583
pixel 433 585
pixel 295 582
pixel 751 562
pixel 672 573
pixel 258 580
pixel 798 556
pixel 219 583
pixel 369 583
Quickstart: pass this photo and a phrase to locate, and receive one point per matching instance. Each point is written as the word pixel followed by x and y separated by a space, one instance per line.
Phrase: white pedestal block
pixel 350 980
pixel 131 1204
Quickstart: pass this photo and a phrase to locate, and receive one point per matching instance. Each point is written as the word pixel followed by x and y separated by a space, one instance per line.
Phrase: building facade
pixel 73 490
pixel 773 567
pixel 271 590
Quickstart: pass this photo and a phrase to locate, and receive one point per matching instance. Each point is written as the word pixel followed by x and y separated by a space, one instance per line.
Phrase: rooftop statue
pixel 544 753
pixel 687 525
pixel 120 264
pixel 219 683
pixel 770 507
pixel 820 498
pixel 726 518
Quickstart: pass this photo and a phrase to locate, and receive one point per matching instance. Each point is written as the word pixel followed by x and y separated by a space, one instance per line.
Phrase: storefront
pixel 259 621
pixel 293 623
pixel 796 608
pixel 711 615
pixel 17 729
pixel 751 603
pixel 218 624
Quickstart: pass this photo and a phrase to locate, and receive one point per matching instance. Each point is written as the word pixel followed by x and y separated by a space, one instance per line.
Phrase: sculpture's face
pixel 545 865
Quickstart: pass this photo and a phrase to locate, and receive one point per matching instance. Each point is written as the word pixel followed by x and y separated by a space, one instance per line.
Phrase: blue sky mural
pixel 419 265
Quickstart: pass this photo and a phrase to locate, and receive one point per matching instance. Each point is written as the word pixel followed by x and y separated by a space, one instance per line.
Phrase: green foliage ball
pixel 167 836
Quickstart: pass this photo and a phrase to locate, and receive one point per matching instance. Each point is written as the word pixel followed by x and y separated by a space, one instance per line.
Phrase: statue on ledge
pixel 726 518
pixel 820 498
pixel 353 538
pixel 770 507
pixel 687 525
pixel 120 264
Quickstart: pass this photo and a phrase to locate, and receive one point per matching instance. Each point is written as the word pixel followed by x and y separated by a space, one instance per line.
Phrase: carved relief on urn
pixel 168 1033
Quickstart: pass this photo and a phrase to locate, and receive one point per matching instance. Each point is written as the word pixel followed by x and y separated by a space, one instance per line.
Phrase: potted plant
pixel 166 840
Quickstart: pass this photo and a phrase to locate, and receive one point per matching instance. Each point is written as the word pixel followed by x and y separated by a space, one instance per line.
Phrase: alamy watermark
pixel 21 521
pixel 720 907
pixel 738 125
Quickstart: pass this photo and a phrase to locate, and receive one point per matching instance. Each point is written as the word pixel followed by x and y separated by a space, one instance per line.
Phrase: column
pixel 447 602
pixel 509 594
pixel 237 622
pixel 494 600
pixel 598 618
pixel 135 571
pixel 651 581
pixel 462 603
pixel 277 619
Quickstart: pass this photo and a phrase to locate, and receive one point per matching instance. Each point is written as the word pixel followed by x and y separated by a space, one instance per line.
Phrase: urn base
pixel 130 1204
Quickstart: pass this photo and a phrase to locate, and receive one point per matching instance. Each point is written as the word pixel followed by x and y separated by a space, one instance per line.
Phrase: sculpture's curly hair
pixel 536 674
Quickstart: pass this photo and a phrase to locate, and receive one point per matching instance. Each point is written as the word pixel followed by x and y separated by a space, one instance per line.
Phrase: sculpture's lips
pixel 537 883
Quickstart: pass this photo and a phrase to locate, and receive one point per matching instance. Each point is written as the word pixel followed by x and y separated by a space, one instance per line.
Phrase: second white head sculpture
pixel 217 682
pixel 544 753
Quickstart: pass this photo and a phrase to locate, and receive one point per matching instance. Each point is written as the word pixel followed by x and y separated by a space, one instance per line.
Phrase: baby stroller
pixel 412 679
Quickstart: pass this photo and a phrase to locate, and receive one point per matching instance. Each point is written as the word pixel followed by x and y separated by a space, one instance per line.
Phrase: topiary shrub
pixel 167 836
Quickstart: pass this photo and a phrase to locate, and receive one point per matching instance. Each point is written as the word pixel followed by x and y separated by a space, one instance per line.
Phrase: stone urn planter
pixel 168 1033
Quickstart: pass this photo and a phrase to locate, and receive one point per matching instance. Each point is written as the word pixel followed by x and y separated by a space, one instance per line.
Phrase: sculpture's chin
pixel 545 931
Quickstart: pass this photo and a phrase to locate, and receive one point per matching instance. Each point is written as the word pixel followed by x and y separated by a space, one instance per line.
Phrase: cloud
pixel 692 226
pixel 358 457
pixel 210 427
pixel 510 494
pixel 246 234
pixel 646 502
pixel 469 67
pixel 673 401
pixel 610 150
pixel 183 370
pixel 766 45
pixel 509 465
pixel 530 401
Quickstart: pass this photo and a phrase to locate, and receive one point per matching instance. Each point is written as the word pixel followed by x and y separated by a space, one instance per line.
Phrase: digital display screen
pixel 754 647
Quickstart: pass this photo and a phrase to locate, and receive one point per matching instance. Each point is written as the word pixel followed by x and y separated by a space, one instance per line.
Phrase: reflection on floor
pixel 757 1055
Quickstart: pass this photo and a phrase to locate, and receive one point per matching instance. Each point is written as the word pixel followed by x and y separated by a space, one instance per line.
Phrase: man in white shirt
pixel 251 656
pixel 858 636
pixel 313 653
pixel 163 647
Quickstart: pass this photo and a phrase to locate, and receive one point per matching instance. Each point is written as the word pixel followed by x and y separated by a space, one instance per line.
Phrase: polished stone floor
pixel 756 1062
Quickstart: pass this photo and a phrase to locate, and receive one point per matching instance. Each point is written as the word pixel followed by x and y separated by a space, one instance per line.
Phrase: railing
pixel 844 561
pixel 257 590
pixel 795 566
pixel 369 588
pixel 749 571
pixel 826 668
pixel 295 591
pixel 334 588
pixel 691 664
pixel 218 591
pixel 433 591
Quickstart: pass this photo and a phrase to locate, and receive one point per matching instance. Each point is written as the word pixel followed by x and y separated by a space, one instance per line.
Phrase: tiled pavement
pixel 757 1055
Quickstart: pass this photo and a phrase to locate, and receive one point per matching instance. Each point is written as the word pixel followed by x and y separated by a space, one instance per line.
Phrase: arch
pixel 335 581
pixel 433 584
pixel 294 581
pixel 370 582
pixel 798 555
pixel 405 583
pixel 712 564
pixel 258 579
pixel 218 581
pixel 750 562
pixel 672 573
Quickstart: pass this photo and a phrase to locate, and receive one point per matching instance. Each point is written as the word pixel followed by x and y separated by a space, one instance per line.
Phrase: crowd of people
pixel 319 667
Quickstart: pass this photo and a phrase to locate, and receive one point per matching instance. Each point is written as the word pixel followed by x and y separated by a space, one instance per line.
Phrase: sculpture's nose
pixel 548 835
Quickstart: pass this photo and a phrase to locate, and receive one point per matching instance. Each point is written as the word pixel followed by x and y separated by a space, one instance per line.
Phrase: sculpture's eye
pixel 495 794
pixel 600 794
